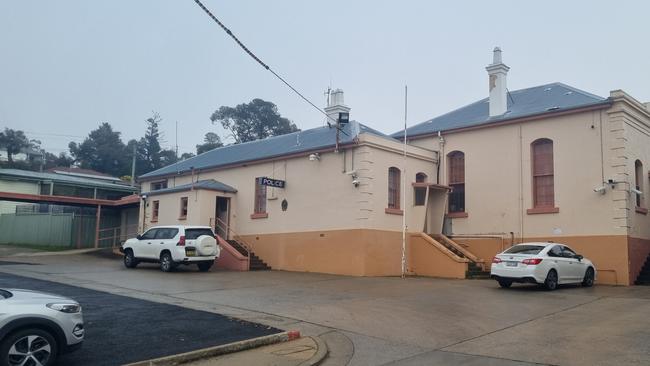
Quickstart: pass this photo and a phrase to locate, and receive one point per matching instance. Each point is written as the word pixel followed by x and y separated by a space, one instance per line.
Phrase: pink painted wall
pixel 230 258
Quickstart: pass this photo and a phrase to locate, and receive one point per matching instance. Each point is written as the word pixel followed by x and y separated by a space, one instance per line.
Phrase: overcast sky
pixel 66 66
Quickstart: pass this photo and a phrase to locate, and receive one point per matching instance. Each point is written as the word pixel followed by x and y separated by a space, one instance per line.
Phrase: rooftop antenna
pixel 404 228
pixel 327 102
pixel 176 140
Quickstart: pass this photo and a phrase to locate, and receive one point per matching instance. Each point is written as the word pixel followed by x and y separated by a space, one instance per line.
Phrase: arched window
pixel 638 179
pixel 393 188
pixel 456 162
pixel 543 178
pixel 420 191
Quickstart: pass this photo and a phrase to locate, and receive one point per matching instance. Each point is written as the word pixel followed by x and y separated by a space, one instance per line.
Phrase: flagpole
pixel 404 185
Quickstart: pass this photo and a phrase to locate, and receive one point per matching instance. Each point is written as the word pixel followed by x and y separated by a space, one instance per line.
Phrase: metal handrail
pixel 242 242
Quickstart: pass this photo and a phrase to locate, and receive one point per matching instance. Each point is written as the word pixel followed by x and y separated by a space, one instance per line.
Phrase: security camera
pixel 144 196
pixel 356 182
pixel 314 157
pixel 601 189
pixel 634 190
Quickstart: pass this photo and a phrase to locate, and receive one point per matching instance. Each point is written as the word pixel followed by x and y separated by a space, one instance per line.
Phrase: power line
pixel 52 134
pixel 251 54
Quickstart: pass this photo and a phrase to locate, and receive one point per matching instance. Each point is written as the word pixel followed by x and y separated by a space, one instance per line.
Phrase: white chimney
pixel 335 105
pixel 498 72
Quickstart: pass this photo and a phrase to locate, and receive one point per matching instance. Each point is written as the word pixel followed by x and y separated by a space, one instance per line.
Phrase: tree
pixel 151 143
pixel 210 141
pixel 13 141
pixel 253 121
pixel 103 151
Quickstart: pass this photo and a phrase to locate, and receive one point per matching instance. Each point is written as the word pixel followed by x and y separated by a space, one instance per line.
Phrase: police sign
pixel 272 182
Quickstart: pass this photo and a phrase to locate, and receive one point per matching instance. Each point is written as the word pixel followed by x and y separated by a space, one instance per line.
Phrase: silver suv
pixel 36 327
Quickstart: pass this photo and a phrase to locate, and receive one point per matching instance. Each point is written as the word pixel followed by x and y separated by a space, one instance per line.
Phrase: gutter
pixel 530 117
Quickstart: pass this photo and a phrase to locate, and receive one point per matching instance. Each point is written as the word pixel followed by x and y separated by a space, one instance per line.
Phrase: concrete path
pixel 375 321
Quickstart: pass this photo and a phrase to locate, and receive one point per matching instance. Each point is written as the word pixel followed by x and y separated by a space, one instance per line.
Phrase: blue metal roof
pixel 271 147
pixel 63 178
pixel 209 184
pixel 537 100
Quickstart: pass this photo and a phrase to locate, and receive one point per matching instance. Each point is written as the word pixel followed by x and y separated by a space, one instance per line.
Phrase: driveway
pixel 122 329
pixel 412 321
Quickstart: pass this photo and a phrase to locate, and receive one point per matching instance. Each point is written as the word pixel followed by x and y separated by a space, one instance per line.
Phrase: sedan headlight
pixel 65 308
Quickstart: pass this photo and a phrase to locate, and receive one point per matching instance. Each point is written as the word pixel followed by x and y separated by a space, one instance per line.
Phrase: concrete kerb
pixel 321 353
pixel 247 344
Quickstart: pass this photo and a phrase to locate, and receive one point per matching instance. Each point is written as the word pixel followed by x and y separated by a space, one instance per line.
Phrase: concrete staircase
pixel 256 264
pixel 644 276
pixel 475 267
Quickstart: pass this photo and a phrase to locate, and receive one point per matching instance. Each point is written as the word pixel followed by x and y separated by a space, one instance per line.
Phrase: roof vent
pixel 552 108
pixel 547 89
pixel 568 93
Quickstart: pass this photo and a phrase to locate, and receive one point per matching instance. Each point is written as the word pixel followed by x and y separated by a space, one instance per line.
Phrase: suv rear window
pixel 525 249
pixel 195 233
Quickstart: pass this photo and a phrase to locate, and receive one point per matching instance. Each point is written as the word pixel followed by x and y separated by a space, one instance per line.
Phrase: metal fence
pixel 53 229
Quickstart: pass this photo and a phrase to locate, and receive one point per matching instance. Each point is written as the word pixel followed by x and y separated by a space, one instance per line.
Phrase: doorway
pixel 223 217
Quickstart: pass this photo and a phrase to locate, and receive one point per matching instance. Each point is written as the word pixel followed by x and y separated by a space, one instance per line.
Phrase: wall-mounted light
pixel 602 189
pixel 314 157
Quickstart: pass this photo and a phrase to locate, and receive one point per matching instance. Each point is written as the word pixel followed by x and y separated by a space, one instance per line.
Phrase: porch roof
pixel 209 184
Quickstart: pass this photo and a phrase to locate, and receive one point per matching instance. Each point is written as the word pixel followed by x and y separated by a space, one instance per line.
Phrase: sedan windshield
pixel 525 249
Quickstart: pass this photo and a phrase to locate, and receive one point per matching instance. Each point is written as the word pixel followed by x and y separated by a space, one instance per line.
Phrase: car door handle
pixel 149 242
pixel 162 242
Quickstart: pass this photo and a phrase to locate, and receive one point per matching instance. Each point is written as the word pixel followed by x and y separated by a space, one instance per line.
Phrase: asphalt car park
pixel 121 329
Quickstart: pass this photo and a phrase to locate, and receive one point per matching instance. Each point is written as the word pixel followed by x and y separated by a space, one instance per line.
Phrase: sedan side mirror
pixel 139 237
pixel 579 257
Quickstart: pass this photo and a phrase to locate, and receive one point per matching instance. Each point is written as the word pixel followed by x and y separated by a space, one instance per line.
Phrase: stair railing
pixel 214 221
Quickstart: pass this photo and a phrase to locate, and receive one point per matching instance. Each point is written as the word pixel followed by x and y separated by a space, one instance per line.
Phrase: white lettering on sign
pixel 273 182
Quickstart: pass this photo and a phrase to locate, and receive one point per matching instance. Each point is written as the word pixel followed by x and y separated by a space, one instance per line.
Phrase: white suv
pixel 171 246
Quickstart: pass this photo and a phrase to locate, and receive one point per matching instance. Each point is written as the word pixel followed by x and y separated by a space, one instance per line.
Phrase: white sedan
pixel 547 264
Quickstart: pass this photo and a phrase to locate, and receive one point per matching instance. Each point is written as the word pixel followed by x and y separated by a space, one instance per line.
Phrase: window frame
pixel 457 185
pixel 153 184
pixel 537 174
pixel 259 202
pixel 639 199
pixel 155 210
pixel 184 204
pixel 393 204
pixel 420 189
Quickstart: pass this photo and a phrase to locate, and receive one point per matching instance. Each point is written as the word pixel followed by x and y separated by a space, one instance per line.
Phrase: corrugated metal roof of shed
pixel 69 179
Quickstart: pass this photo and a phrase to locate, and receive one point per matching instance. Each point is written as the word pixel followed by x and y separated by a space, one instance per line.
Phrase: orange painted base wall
pixel 364 252
pixel 358 252
pixel 638 251
pixel 426 260
pixel 609 253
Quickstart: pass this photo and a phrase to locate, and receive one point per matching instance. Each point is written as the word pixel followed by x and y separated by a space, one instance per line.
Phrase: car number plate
pixel 511 264
pixel 190 253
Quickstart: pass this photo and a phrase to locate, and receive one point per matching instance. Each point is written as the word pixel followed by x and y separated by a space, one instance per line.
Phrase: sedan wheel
pixel 166 262
pixel 551 280
pixel 29 347
pixel 588 281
